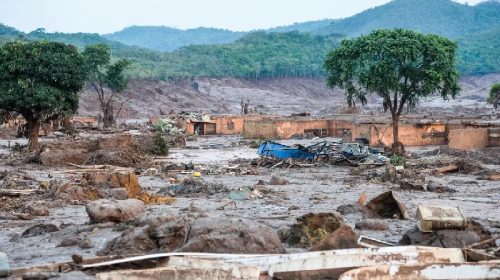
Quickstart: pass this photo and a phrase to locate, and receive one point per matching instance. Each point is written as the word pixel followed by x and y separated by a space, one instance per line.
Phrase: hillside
pixel 443 17
pixel 163 38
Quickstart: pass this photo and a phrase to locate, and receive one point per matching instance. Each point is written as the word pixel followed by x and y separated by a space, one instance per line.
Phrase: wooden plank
pixel 9 192
pixel 425 271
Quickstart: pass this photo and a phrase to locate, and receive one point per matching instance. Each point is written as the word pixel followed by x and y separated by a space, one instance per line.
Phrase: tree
pixel 401 66
pixel 106 78
pixel 494 96
pixel 39 80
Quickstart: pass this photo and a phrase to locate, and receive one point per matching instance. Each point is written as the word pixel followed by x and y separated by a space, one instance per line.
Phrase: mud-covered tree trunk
pixel 395 129
pixel 108 115
pixel 33 130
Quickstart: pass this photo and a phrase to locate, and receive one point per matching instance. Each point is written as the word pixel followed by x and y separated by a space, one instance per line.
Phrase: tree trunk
pixel 108 117
pixel 395 129
pixel 33 130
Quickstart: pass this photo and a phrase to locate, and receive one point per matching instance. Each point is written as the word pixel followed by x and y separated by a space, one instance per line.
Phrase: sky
pixel 106 16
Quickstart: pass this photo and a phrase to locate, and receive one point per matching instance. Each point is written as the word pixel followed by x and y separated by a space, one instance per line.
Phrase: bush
pixel 160 145
pixel 397 160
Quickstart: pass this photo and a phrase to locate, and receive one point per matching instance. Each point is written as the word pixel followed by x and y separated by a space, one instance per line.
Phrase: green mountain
pixel 279 53
pixel 163 38
pixel 479 53
pixel 443 17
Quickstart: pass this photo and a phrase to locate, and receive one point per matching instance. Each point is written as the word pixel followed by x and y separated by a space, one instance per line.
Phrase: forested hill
pixel 443 17
pixel 300 53
pixel 163 38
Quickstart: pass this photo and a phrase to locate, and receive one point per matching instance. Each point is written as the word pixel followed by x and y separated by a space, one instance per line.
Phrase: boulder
pixel 278 181
pixel 214 235
pixel 105 210
pixel 343 238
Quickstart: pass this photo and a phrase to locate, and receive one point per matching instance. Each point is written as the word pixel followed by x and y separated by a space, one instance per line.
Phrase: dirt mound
pixel 219 235
pixel 311 228
pixel 119 150
pixel 115 185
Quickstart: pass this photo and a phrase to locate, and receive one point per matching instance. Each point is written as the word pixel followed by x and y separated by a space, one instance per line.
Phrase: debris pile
pixel 192 186
pixel 278 155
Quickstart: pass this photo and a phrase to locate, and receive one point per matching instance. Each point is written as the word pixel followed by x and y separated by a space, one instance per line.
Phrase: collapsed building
pixel 459 133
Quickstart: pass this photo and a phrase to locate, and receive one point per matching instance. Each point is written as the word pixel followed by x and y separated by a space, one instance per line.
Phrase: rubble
pixel 342 238
pixel 191 186
pixel 388 205
pixel 104 210
pixel 215 235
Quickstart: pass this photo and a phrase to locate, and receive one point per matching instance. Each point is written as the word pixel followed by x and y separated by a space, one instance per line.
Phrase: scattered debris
pixel 194 186
pixel 244 193
pixel 368 242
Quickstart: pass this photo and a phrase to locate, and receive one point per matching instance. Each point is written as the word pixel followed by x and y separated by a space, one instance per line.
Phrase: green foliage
pixel 442 17
pixel 479 53
pixel 271 54
pixel 160 145
pixel 494 95
pixel 40 79
pixel 399 65
pixel 100 70
pixel 397 160
pixel 256 55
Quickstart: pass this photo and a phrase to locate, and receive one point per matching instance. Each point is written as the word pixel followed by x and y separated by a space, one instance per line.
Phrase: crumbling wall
pixel 468 139
pixel 231 125
pixel 409 134
pixel 494 137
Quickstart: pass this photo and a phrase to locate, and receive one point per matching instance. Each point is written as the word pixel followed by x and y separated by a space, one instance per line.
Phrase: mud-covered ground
pixel 311 189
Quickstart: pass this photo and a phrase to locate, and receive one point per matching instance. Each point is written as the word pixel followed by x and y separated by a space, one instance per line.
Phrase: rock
pixel 388 205
pixel 118 193
pixel 343 238
pixel 215 235
pixel 278 181
pixel 40 229
pixel 232 236
pixel 409 184
pixel 372 224
pixel 77 259
pixel 68 242
pixel 129 181
pixel 104 210
pixel 86 243
pixel 311 228
pixel 434 186
pixel 36 210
